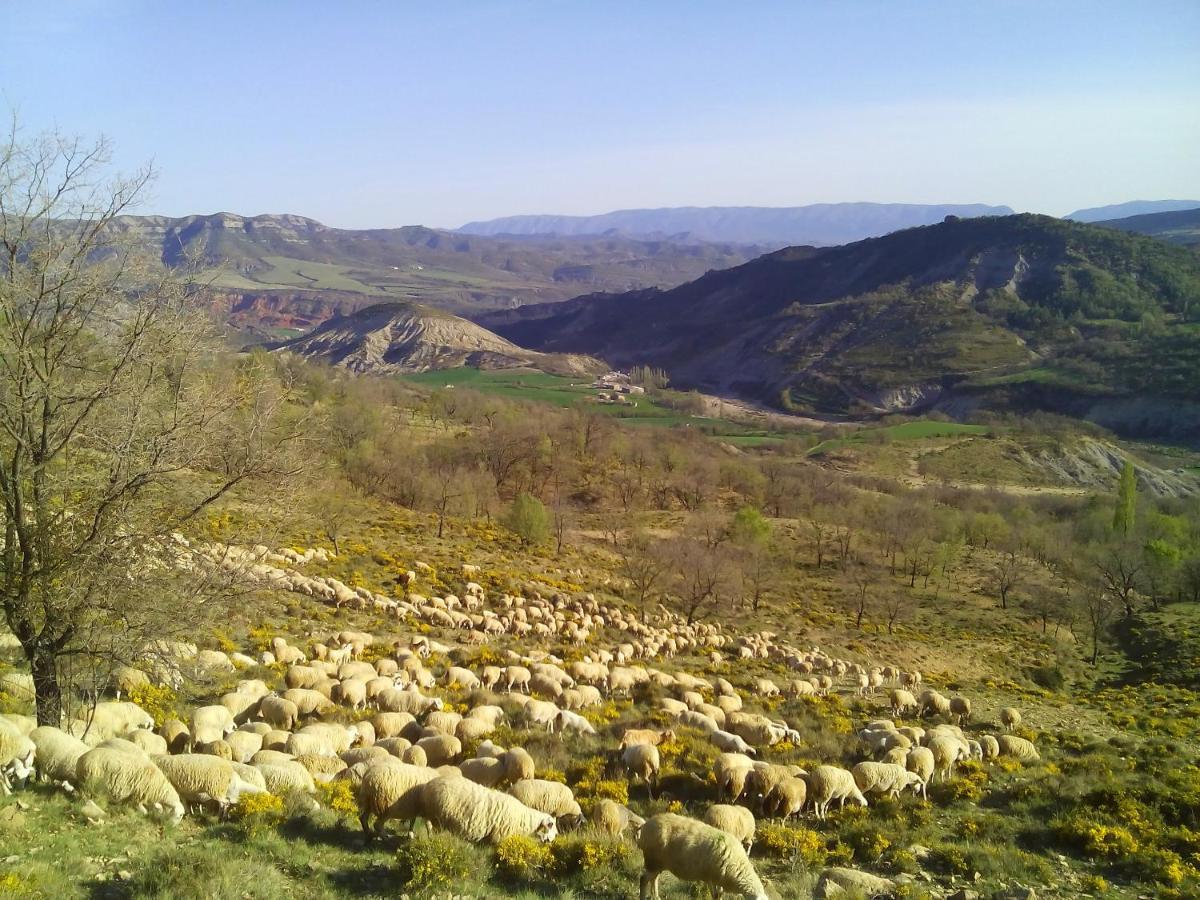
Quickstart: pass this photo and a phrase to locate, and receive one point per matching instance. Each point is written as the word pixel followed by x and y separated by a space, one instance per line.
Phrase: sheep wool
pixel 391 790
pixel 829 783
pixel 127 778
pixel 476 813
pixel 1017 747
pixel 612 818
pixel 693 851
pixel 199 778
pixel 734 820
pixel 551 797
pixel 57 753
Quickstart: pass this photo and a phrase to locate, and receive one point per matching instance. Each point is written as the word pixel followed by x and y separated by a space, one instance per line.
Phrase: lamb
pixel 642 762
pixel 199 779
pixel 517 677
pixel 694 851
pixel 734 820
pixel 1010 718
pixel 477 813
pixel 1017 747
pixel 550 797
pixel 829 783
pixel 150 743
pixel 730 743
pixel 569 721
pixel 884 778
pixel 57 754
pixel 128 778
pixel 613 818
pixel 17 754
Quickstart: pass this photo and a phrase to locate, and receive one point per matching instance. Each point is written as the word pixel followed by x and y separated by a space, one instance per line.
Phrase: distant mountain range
pixel 1180 227
pixel 1132 208
pixel 818 224
pixel 1017 312
pixel 397 337
pixel 270 274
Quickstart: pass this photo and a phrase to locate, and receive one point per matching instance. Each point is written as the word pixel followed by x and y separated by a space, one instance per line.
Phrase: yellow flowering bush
pixel 434 861
pixel 521 856
pixel 338 796
pixel 157 700
pixel 783 841
pixel 256 813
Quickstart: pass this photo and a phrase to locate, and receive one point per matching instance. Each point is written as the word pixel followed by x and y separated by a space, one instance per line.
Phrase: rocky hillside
pixel 820 223
pixel 404 337
pixel 1015 312
pixel 293 272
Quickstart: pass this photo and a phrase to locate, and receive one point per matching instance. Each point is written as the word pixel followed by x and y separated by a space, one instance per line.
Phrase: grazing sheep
pixel 884 778
pixel 731 771
pixel 110 719
pixel 244 744
pixel 308 702
pixel 540 713
pixel 550 797
pixel 612 818
pixel 569 721
pixel 279 712
pixel 734 820
pixel 902 702
pixel 488 771
pixel 518 765
pixel 286 777
pixel 642 763
pixel 127 778
pixel 786 797
pixel 1017 747
pixel 57 754
pixel 960 708
pixel 321 768
pixel 150 743
pixel 477 813
pixel 17 754
pixel 947 750
pixel 199 779
pixel 211 723
pixel 1010 718
pixel 645 736
pixel 390 724
pixel 440 749
pixel 730 743
pixel 829 783
pixel 694 851
pixel 456 676
pixel 933 703
pixel 406 701
pixel 990 746
pixel 177 736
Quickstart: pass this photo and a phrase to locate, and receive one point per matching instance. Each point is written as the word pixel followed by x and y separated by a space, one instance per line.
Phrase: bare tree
pixel 1100 610
pixel 700 575
pixel 118 425
pixel 1005 575
pixel 644 566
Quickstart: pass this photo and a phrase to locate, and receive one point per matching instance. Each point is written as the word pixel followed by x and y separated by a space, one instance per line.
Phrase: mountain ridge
pixel 818 223
pixel 1130 208
pixel 1021 311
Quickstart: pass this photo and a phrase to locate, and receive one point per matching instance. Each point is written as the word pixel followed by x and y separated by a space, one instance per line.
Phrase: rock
pixel 919 851
pixel 92 812
pixel 839 882
pixel 964 894
pixel 1021 893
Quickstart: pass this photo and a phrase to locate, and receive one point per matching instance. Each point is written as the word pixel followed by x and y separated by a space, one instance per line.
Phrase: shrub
pixel 791 843
pixel 528 519
pixel 575 853
pixel 338 796
pixel 434 861
pixel 523 857
pixel 157 700
pixel 257 813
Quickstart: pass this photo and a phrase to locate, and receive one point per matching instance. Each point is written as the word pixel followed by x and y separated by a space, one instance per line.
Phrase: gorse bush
pixel 157 700
pixel 523 857
pixel 255 814
pixel 435 861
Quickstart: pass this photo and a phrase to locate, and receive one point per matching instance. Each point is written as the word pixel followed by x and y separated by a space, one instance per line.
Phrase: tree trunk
pixel 46 687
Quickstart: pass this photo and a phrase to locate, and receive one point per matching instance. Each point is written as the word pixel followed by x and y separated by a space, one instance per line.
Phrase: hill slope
pixel 1178 227
pixel 821 223
pixel 1013 312
pixel 292 272
pixel 405 337
pixel 1132 208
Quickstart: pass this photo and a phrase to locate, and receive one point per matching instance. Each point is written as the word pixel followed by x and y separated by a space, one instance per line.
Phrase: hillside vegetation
pixel 1017 312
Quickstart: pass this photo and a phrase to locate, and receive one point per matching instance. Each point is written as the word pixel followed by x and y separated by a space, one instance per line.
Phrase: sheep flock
pixel 421 719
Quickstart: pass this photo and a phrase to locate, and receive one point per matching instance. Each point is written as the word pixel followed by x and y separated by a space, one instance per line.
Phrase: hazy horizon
pixel 364 117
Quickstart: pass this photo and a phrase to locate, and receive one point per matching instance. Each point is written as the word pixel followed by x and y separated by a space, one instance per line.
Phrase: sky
pixel 380 114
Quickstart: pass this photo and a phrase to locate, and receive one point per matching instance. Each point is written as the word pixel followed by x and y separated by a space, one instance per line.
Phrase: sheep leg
pixel 649 885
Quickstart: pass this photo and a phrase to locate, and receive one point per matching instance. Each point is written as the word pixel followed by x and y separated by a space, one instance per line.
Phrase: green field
pixel 569 392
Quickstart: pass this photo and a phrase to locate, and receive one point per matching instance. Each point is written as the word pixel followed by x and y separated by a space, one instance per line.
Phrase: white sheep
pixel 693 851
pixel 285 777
pixel 200 779
pixel 730 743
pixel 476 813
pixel 1010 718
pixel 550 797
pixel 642 762
pixel 884 778
pixel 57 754
pixel 613 818
pixel 829 783
pixel 211 723
pixel 391 790
pixel 279 712
pixel 1017 747
pixel 840 882
pixel 17 754
pixel 127 778
pixel 735 820
pixel 921 762
pixel 570 721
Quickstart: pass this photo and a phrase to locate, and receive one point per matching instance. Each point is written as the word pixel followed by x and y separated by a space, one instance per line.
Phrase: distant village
pixel 615 387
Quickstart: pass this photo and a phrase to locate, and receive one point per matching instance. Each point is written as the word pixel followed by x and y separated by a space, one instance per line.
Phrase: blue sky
pixel 380 114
